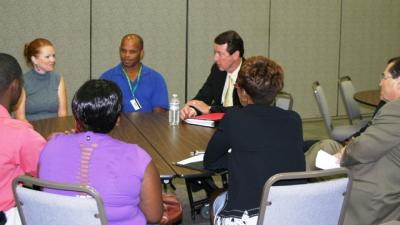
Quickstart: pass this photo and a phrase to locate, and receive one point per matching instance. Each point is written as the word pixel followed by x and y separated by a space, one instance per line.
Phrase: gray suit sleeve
pixel 378 139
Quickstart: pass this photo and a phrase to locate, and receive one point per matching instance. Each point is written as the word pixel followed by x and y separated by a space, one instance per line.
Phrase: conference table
pixel 368 97
pixel 166 144
pixel 174 143
pixel 125 132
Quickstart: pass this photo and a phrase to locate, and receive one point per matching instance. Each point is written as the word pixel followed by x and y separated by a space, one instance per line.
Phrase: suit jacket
pixel 358 133
pixel 374 160
pixel 265 140
pixel 211 92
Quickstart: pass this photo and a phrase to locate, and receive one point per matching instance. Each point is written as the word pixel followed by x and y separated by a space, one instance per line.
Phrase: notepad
pixel 192 159
pixel 326 161
pixel 204 123
pixel 193 162
pixel 206 120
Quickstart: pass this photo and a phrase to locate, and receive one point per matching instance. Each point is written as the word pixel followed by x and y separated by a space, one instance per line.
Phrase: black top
pixel 265 140
pixel 211 92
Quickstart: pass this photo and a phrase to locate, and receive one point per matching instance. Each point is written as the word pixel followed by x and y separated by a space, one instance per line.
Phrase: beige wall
pixel 312 39
pixel 370 36
pixel 65 23
pixel 249 20
pixel 162 26
pixel 305 40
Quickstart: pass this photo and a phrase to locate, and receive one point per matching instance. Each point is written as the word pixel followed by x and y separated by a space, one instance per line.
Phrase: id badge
pixel 136 104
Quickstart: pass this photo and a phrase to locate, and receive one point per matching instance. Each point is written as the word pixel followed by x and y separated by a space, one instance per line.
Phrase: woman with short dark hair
pixel 122 173
pixel 254 142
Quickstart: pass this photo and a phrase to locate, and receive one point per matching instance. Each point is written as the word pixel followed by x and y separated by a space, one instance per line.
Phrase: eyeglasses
pixel 383 77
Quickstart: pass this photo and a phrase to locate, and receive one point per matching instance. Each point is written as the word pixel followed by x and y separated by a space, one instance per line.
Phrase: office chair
pixel 320 202
pixel 338 133
pixel 43 208
pixel 347 92
pixel 284 100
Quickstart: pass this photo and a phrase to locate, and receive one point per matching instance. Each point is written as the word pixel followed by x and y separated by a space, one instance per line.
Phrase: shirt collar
pixel 235 73
pixel 4 112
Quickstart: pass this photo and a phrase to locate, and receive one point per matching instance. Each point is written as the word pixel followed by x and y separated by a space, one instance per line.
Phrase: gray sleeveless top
pixel 41 95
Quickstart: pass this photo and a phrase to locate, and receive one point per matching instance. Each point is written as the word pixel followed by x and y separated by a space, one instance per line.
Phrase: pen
pixel 196 152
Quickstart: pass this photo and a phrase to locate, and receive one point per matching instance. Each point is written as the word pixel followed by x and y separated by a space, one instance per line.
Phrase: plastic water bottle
pixel 174 110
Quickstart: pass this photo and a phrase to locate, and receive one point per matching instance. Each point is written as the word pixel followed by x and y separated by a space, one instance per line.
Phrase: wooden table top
pixel 368 97
pixel 125 132
pixel 166 144
pixel 174 143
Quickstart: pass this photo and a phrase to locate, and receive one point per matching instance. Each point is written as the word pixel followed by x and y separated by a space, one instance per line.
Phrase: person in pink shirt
pixel 20 145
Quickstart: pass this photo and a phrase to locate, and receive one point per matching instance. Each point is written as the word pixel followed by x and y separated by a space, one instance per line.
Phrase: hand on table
pixel 339 154
pixel 187 112
pixel 199 105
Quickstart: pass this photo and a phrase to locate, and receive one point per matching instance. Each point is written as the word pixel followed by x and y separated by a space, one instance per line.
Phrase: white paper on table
pixel 196 158
pixel 325 160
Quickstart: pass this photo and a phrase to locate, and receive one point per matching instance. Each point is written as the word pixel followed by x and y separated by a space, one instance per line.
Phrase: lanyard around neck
pixel 133 89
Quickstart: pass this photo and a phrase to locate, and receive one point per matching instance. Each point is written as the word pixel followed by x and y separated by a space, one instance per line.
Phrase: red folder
pixel 207 120
pixel 210 116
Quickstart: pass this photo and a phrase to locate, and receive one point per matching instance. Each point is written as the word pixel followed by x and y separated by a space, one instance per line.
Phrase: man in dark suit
pixel 218 92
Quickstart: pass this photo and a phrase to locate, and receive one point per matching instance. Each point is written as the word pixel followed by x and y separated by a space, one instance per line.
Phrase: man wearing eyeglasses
pixel 374 159
pixel 218 92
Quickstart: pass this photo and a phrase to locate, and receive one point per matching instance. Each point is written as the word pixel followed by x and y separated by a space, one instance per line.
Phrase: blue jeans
pixel 218 204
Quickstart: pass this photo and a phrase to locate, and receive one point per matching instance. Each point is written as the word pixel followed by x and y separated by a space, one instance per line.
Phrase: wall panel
pixel 209 18
pixel 65 23
pixel 160 23
pixel 370 36
pixel 305 41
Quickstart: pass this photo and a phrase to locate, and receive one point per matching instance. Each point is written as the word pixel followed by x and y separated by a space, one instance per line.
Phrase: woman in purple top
pixel 122 173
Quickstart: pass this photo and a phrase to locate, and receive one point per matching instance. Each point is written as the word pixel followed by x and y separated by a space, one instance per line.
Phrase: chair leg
pixel 196 184
pixel 165 183
pixel 190 196
pixel 224 178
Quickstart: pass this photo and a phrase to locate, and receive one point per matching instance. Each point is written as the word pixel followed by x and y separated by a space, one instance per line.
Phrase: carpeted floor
pixel 183 197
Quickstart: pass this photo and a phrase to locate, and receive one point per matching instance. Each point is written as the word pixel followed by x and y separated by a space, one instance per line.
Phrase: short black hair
pixel 395 69
pixel 97 105
pixel 234 41
pixel 10 70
